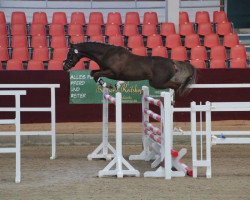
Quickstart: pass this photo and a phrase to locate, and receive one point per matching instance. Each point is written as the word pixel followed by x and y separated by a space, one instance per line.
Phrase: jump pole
pixel 115 167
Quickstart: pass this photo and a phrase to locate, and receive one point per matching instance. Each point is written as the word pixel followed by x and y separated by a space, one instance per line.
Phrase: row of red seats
pixel 151 41
pixel 113 17
pixel 199 56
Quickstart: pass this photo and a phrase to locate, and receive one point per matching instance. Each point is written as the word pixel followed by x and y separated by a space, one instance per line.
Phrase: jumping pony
pixel 118 63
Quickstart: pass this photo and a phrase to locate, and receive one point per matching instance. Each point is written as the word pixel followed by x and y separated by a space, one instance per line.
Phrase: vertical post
pixel 145 117
pixel 18 139
pixel 208 140
pixel 193 138
pixel 173 8
pixel 118 117
pixel 53 123
pixel 105 128
pixel 167 133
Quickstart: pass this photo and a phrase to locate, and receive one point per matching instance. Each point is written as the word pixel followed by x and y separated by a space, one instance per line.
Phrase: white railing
pixel 51 109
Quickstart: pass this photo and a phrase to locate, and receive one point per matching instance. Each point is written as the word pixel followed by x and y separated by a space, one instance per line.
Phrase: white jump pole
pixel 118 162
pixel 102 151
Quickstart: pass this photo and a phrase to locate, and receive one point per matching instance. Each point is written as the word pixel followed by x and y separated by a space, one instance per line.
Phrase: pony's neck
pixel 93 50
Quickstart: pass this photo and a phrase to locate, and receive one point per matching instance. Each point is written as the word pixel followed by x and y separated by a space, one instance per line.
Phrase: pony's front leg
pixel 102 83
pixel 107 73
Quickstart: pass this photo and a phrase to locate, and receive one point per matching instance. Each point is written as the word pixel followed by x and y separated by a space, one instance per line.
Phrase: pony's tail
pixel 184 88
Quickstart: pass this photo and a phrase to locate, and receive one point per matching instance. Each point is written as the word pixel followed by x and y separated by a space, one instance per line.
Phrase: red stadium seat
pixel 159 51
pixel 37 29
pixel 219 16
pixel 173 40
pixel 3 29
pixel 224 28
pixel 135 41
pixel 201 64
pixel 18 29
pixel 55 65
pixel 75 29
pixel 77 18
pixel 130 29
pixel 56 30
pixel 13 64
pixel 183 17
pixel 39 41
pixel 93 65
pixel 2 18
pixel 202 17
pixel 35 65
pixel 231 40
pixel 132 18
pixel 211 40
pixel 140 51
pixel 114 18
pixel 60 54
pixel 40 18
pixel 204 29
pixel 112 29
pixel 149 29
pixel 150 18
pixel 4 41
pixel 154 41
pixel 192 40
pixel 18 17
pixel 97 38
pixel 186 29
pixel 116 40
pixel 179 53
pixel 198 53
pixel 218 53
pixel 96 18
pixel 217 64
pixel 19 41
pixel 80 65
pixel 94 29
pixel 20 53
pixel 58 42
pixel 4 55
pixel 238 63
pixel 74 39
pixel 41 54
pixel 167 28
pixel 238 51
pixel 59 18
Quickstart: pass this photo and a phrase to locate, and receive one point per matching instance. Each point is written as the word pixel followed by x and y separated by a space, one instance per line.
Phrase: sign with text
pixel 84 90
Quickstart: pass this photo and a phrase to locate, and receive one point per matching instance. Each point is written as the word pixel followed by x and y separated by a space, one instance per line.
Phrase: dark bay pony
pixel 119 64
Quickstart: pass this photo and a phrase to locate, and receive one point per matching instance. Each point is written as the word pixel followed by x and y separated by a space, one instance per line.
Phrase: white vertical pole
pixel 105 128
pixel 208 141
pixel 168 128
pixel 173 8
pixel 118 117
pixel 53 123
pixel 193 138
pixel 18 139
pixel 145 118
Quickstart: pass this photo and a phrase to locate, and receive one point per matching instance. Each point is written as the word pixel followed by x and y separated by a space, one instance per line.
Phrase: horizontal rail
pixel 29 85
pixel 12 92
pixel 26 109
pixel 217 133
pixel 236 85
pixel 231 141
pixel 27 133
pixel 7 121
pixel 8 150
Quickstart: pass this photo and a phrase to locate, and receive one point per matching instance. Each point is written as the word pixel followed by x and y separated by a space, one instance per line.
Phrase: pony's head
pixel 73 57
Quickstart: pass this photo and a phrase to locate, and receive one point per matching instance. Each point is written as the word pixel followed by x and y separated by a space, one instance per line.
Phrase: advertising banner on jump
pixel 84 90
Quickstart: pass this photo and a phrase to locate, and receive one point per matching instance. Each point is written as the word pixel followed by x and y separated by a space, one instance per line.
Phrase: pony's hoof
pixel 118 85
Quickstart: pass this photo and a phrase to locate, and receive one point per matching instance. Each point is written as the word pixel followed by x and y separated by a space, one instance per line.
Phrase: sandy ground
pixel 72 176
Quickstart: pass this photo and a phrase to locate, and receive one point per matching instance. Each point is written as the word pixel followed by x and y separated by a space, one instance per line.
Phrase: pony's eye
pixel 76 51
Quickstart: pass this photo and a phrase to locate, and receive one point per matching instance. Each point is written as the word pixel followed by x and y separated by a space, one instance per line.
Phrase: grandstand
pixel 35 36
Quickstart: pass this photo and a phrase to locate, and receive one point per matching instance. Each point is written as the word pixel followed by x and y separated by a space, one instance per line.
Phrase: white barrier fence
pixel 51 109
pixel 116 166
pixel 16 121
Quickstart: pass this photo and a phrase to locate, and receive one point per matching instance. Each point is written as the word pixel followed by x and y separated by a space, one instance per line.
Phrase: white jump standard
pixel 158 142
pixel 118 166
